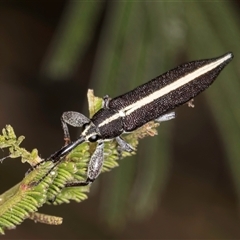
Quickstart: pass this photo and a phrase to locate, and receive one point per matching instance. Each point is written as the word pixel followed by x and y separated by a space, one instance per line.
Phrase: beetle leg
pixel 106 100
pixel 94 167
pixel 74 119
pixel 123 145
pixel 166 117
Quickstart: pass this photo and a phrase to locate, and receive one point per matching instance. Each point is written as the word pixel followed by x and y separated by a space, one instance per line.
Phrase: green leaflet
pixel 23 200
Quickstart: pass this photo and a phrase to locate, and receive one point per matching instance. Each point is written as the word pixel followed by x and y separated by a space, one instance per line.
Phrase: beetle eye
pixel 93 138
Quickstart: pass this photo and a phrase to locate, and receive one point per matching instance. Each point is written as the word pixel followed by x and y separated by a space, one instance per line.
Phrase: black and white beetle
pixel 126 113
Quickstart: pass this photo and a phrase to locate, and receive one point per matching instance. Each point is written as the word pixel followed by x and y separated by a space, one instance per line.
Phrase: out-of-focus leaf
pixel 219 34
pixel 73 36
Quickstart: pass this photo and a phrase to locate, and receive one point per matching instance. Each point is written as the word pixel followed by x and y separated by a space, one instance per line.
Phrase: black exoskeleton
pixel 151 101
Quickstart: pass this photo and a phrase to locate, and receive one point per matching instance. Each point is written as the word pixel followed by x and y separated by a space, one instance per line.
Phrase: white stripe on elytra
pixel 167 89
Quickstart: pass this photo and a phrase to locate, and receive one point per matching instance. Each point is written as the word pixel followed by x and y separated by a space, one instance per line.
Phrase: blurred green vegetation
pixel 138 41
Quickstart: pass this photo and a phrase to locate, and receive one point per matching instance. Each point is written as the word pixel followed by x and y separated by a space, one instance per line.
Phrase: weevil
pixel 153 100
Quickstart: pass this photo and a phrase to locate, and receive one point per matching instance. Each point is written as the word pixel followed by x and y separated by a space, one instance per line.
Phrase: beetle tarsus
pixel 80 184
pixel 123 145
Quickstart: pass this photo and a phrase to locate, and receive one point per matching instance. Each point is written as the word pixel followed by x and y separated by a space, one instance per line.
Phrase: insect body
pixel 125 113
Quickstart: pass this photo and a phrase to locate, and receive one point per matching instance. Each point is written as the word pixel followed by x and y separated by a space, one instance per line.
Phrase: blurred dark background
pixel 182 184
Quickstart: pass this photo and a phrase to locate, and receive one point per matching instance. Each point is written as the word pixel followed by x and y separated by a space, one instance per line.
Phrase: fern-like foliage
pixel 23 200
